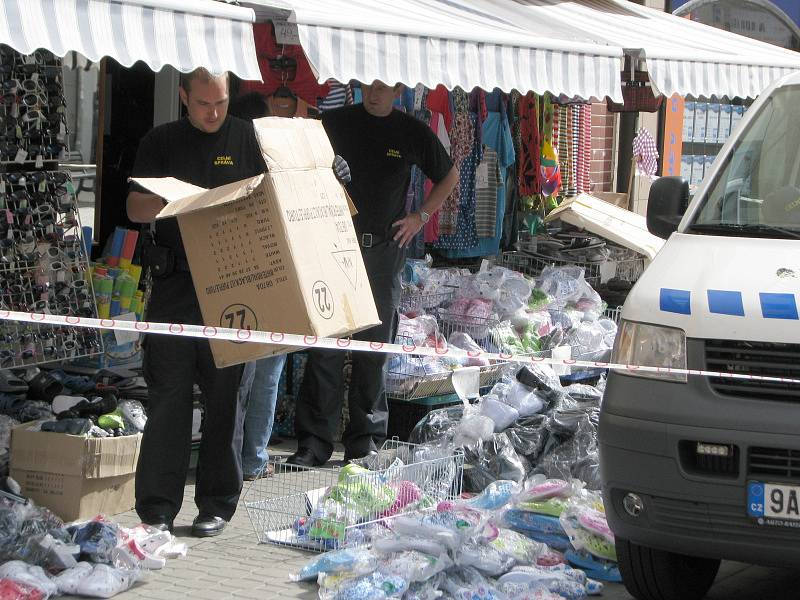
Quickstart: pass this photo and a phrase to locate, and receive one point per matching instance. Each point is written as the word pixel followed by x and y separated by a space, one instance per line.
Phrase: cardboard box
pixel 276 252
pixel 74 476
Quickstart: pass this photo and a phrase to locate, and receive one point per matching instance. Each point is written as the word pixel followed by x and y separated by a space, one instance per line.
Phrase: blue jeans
pixel 259 387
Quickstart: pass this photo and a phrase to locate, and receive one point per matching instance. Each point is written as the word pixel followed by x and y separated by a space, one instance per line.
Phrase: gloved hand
pixel 341 169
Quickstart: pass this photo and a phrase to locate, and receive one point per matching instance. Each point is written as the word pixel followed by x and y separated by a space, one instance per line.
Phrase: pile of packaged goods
pixel 42 556
pixel 543 540
pixel 498 310
pixel 527 424
pixel 99 406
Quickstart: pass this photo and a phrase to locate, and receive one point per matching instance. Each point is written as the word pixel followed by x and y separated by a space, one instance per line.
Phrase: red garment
pixel 531 143
pixel 301 80
pixel 439 101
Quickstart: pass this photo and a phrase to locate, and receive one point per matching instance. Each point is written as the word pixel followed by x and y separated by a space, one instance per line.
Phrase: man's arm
pixel 409 226
pixel 143 207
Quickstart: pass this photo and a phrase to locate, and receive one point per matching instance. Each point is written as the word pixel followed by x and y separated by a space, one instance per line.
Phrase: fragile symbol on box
pixel 346 259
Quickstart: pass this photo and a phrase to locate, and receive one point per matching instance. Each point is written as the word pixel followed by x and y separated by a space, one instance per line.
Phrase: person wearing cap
pixel 381 145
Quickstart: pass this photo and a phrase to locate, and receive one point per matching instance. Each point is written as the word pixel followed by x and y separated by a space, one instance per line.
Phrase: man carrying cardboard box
pixel 209 149
pixel 381 145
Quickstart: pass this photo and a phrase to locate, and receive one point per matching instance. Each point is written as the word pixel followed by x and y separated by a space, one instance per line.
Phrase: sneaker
pixel 131 555
pixel 63 403
pixel 133 412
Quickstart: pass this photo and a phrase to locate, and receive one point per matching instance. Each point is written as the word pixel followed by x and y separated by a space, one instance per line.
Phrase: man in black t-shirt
pixel 381 145
pixel 207 148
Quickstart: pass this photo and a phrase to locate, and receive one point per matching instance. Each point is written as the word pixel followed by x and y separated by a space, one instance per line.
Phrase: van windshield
pixel 757 192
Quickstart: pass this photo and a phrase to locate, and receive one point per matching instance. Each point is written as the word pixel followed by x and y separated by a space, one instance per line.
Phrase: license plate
pixel 773 503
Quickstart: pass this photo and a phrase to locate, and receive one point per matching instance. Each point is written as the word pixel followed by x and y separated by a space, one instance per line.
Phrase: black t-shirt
pixel 178 149
pixel 381 152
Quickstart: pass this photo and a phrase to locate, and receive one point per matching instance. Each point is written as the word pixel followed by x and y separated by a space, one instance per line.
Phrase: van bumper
pixel 686 511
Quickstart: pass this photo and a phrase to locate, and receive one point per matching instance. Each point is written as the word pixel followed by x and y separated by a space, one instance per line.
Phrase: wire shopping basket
pixel 329 508
pixel 412 377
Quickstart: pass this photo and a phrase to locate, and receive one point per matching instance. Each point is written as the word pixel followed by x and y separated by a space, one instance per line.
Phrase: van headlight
pixel 640 344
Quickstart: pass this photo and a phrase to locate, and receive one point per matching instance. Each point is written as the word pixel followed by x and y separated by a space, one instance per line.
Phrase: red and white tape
pixel 311 341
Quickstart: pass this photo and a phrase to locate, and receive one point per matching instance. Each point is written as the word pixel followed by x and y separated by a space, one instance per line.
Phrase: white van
pixel 699 469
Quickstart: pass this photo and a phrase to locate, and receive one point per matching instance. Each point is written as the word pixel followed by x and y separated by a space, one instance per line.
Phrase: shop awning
pixel 183 33
pixel 451 42
pixel 572 47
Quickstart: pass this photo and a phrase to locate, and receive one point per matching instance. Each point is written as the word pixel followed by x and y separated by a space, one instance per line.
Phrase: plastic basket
pixel 286 509
pixel 405 414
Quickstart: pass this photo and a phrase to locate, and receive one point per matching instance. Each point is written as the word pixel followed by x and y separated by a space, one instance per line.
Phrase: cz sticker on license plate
pixel 774 503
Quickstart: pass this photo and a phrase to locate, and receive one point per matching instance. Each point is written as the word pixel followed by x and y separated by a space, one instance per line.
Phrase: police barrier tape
pixel 310 341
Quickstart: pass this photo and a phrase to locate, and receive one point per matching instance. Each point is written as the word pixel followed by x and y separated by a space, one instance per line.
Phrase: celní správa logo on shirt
pixel 392 153
pixel 223 160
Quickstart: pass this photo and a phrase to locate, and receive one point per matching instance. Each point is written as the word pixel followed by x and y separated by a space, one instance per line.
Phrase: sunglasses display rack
pixel 44 266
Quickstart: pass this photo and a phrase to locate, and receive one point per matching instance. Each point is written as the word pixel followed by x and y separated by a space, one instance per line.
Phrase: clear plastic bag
pixel 463 341
pixel 528 436
pixel 571 449
pixel 96 539
pixel 354 560
pixel 525 400
pixel 492 460
pixel 30 576
pixel 501 414
pixel 467 582
pixel 437 427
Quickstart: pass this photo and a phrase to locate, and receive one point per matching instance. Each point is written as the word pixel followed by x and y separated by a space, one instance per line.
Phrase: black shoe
pixel 207 525
pixel 159 523
pixel 165 526
pixel 304 457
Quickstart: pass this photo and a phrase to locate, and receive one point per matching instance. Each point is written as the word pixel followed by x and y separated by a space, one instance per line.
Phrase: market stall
pixel 515 109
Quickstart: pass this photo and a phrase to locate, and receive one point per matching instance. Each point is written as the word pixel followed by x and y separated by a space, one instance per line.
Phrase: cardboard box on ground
pixel 74 476
pixel 276 252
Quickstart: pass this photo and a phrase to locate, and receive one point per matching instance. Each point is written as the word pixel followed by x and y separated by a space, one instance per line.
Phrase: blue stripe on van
pixel 676 301
pixel 778 306
pixel 724 302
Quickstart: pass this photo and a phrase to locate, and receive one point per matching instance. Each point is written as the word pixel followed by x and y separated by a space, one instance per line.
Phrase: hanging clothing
pixel 645 151
pixel 497 137
pixel 530 141
pixel 585 149
pixel 462 136
pixel 487 180
pixel 439 100
pixel 336 98
pixel 465 235
pixel 431 229
pixel 300 79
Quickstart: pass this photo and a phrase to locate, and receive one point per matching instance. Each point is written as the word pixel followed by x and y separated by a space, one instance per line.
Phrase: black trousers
pixel 319 405
pixel 171 367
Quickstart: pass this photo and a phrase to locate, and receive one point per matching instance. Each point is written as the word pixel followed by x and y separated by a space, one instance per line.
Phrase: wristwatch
pixel 424 216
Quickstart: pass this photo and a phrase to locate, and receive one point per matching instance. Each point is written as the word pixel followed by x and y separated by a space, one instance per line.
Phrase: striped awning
pixel 185 34
pixel 571 47
pixel 449 42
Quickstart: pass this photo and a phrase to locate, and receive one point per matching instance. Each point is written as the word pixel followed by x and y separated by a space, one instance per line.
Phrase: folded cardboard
pixel 74 476
pixel 621 226
pixel 275 252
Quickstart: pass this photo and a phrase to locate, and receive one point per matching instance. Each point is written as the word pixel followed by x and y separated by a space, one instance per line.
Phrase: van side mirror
pixel 668 200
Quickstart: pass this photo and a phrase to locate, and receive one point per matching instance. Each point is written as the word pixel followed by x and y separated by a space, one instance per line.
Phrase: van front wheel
pixel 650 574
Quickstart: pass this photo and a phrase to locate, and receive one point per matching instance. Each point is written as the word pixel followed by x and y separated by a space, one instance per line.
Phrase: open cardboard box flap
pixel 602 218
pixel 247 245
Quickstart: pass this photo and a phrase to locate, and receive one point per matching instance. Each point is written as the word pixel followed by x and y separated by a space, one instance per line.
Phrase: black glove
pixel 341 169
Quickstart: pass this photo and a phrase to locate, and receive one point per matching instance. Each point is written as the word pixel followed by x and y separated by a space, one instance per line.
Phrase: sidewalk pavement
pixel 235 565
